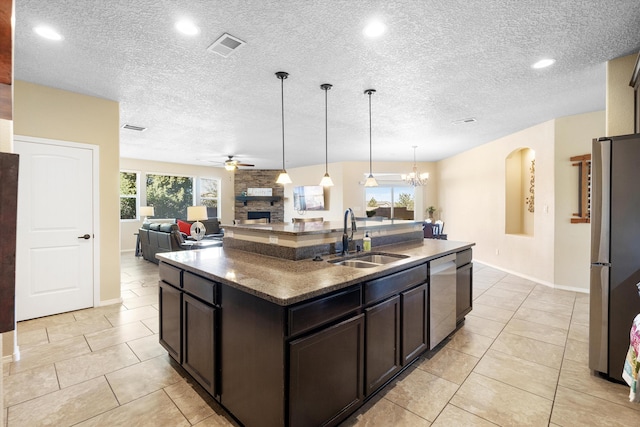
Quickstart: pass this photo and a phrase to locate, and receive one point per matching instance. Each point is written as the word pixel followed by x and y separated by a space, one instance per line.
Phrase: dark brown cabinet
pixel 326 374
pixel 188 323
pixel 170 301
pixel 198 342
pixel 415 327
pixel 383 343
pixel 314 362
pixel 396 328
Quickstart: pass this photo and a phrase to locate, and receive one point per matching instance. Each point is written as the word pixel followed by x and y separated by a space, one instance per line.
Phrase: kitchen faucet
pixel 345 237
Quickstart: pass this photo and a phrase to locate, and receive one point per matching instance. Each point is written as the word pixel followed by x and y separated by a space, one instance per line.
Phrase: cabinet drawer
pixel 463 258
pixel 199 287
pixel 324 310
pixel 377 289
pixel 170 274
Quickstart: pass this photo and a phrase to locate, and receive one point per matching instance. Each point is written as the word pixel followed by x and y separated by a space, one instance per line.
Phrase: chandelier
pixel 414 178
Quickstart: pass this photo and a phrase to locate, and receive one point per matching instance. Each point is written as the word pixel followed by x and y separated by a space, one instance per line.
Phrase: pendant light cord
pixel 282 103
pixel 370 149
pixel 326 133
pixel 282 75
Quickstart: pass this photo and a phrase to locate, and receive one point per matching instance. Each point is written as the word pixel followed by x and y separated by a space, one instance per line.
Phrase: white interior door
pixel 55 237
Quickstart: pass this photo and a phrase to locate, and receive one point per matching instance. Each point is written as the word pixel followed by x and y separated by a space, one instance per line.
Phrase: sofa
pixel 211 225
pixel 157 238
pixel 168 237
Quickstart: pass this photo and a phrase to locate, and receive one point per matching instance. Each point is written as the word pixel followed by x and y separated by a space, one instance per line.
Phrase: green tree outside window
pixel 128 195
pixel 169 195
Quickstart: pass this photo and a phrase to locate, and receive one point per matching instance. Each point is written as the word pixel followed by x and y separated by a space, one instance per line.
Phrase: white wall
pixel 472 196
pixel 620 96
pixel 348 190
pixel 572 241
pixel 311 175
pixel 225 210
pixel 472 191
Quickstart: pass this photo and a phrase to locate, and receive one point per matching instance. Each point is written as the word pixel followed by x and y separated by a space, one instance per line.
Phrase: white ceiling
pixel 438 62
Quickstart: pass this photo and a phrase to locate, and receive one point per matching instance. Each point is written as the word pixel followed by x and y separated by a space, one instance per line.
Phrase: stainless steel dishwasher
pixel 442 294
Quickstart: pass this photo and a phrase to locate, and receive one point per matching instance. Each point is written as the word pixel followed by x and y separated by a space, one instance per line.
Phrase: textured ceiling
pixel 438 62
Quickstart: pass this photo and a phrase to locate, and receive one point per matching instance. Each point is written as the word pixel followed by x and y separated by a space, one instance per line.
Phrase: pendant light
pixel 371 181
pixel 414 178
pixel 326 179
pixel 283 178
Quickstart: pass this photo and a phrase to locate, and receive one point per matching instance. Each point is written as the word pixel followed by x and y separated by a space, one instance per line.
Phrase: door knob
pixel 85 237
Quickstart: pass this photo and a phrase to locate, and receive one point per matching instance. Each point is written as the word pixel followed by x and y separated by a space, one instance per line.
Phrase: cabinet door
pixel 464 289
pixel 414 323
pixel 170 300
pixel 326 374
pixel 383 343
pixel 198 342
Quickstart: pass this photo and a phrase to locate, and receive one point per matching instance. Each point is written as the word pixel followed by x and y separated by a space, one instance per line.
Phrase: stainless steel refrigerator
pixel 615 250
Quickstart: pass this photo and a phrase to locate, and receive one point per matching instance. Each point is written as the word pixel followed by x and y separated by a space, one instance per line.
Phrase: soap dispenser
pixel 366 242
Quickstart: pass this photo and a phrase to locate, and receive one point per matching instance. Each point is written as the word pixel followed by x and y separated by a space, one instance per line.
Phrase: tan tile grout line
pixel 485 353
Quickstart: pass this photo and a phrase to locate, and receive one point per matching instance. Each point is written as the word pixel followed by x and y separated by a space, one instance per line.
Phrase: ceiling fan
pixel 231 164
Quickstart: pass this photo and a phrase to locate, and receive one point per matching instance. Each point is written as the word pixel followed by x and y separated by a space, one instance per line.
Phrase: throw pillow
pixel 184 227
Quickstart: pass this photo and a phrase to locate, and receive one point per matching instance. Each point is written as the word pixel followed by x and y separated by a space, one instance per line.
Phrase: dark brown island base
pixel 280 342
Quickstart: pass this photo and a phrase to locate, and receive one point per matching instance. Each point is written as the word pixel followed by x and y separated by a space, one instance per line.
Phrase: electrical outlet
pixel 497 251
pixel 273 240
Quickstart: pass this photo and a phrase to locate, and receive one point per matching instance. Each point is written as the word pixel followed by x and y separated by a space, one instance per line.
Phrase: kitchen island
pixel 280 342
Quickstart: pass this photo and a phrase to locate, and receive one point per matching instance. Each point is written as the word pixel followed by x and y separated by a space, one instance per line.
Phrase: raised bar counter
pixel 307 239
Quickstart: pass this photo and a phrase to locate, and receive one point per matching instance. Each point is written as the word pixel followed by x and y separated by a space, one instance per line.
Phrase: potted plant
pixel 430 211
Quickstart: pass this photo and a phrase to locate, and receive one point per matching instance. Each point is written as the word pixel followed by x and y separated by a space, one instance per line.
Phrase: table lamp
pixel 197 213
pixel 147 211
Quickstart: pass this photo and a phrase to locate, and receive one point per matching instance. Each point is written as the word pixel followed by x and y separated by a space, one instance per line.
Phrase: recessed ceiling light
pixel 133 127
pixel 187 27
pixel 543 63
pixel 47 33
pixel 374 29
pixel 464 121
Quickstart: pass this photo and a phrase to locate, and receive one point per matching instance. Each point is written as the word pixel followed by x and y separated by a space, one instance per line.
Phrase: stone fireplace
pixel 259 215
pixel 259 207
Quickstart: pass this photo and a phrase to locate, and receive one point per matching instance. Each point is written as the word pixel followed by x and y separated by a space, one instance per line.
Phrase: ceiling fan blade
pixel 244 164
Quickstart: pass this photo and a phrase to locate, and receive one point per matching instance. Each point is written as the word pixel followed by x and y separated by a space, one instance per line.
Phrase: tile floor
pixel 520 359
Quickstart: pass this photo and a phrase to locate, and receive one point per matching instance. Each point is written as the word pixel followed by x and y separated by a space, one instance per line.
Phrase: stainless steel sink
pixel 368 260
pixel 356 263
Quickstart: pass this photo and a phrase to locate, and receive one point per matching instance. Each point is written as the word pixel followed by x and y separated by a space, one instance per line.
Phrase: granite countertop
pixel 286 282
pixel 302 228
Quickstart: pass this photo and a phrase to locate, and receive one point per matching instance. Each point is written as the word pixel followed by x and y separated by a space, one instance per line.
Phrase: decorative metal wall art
pixel 532 191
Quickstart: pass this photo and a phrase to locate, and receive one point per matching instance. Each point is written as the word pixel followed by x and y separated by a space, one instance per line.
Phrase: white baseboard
pixel 535 279
pixel 124 251
pixel 573 289
pixel 111 301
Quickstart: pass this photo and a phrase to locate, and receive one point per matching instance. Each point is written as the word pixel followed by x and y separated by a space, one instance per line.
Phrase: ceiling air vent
pixel 226 45
pixel 132 127
pixel 464 121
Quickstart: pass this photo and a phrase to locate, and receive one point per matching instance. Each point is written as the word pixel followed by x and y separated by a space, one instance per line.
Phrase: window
pixel 128 195
pixel 208 195
pixel 170 195
pixel 390 201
